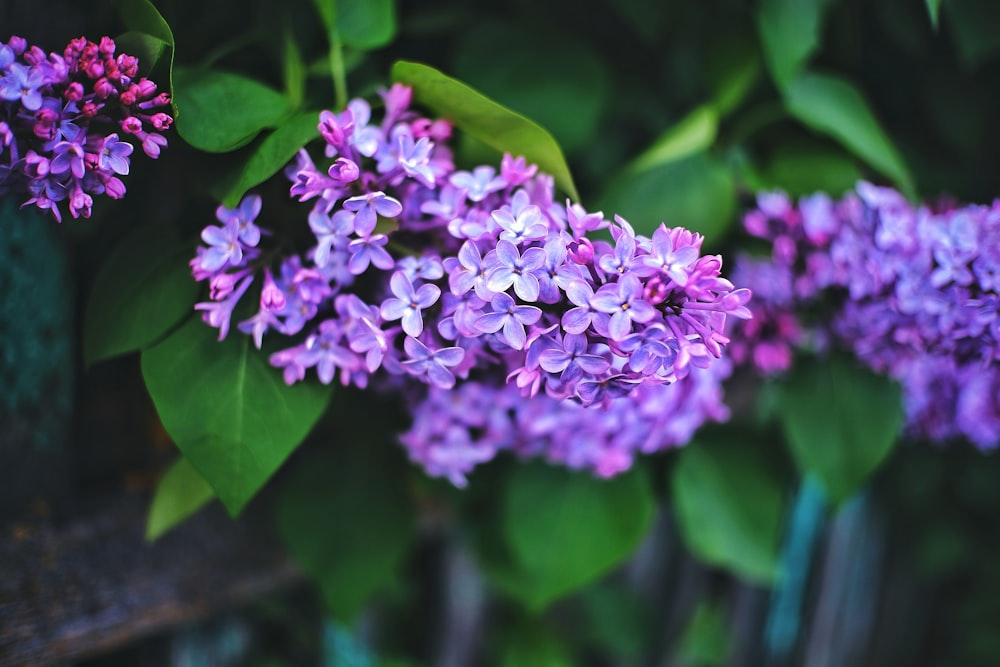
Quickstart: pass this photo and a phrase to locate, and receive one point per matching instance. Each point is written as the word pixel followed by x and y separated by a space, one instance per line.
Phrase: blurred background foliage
pixel 666 111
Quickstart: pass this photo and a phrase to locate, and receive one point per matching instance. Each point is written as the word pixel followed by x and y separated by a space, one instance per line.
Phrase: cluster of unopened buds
pixel 67 122
pixel 419 270
pixel 912 291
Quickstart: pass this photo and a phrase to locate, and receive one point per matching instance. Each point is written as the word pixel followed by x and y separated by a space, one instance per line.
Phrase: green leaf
pixel 180 493
pixel 273 153
pixel 934 12
pixel 347 520
pixel 220 112
pixel 834 107
pixel 696 192
pixel 146 48
pixel 706 639
pixel 803 168
pixel 732 67
pixel 228 411
pixel 566 529
pixel 142 16
pixel 491 123
pixel 729 504
pixel 840 421
pixel 558 83
pixel 972 24
pixel 790 32
pixel 530 644
pixel 295 71
pixel 142 290
pixel 366 24
pixel 691 135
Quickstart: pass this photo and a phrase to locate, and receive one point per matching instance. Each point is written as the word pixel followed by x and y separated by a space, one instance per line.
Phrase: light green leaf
pixel 142 290
pixel 220 112
pixel 180 493
pixel 840 421
pixel 697 192
pixel 565 529
pixel 491 123
pixel 366 24
pixel 691 135
pixel 347 520
pixel 729 504
pixel 790 32
pixel 834 107
pixel 274 152
pixel 228 411
pixel 706 639
pixel 934 12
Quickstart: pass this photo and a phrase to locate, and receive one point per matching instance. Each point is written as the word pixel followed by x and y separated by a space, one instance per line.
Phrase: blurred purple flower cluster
pixel 914 293
pixel 427 272
pixel 67 121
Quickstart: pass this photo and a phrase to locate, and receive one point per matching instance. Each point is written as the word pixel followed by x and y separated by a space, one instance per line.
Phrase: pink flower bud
pixel 34 55
pixel 90 109
pixel 94 69
pixel 103 88
pixel 114 188
pixel 344 170
pixel 161 121
pixel 128 65
pixel 74 92
pixel 17 44
pixel 145 89
pixel 272 298
pixel 129 96
pixel 132 125
pixel 582 251
pixel 107 46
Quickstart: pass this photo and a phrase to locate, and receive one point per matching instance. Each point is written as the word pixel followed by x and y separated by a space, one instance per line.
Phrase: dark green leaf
pixel 558 83
pixel 146 48
pixel 802 168
pixel 972 24
pixel 693 134
pixel 566 529
pixel 491 123
pixel 228 411
pixel 295 71
pixel 836 108
pixel 696 192
pixel 790 32
pixel 219 111
pixel 273 153
pixel 346 519
pixel 840 421
pixel 729 504
pixel 533 645
pixel 142 16
pixel 706 639
pixel 180 493
pixel 143 289
pixel 366 24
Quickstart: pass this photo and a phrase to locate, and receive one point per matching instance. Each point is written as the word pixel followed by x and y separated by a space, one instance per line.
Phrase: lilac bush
pixel 481 286
pixel 912 291
pixel 69 122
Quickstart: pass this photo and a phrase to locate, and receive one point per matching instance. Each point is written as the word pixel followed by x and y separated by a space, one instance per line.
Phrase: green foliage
pixel 729 504
pixel 366 24
pixel 348 521
pixel 840 421
pixel 487 121
pixel 790 32
pixel 566 529
pixel 804 167
pixel 274 152
pixel 220 112
pixel 143 19
pixel 833 106
pixel 180 493
pixel 144 288
pixel 706 640
pixel 691 135
pixel 228 411
pixel 533 645
pixel 934 12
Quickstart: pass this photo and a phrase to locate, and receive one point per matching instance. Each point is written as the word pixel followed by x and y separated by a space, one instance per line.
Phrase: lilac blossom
pixel 408 303
pixel 510 318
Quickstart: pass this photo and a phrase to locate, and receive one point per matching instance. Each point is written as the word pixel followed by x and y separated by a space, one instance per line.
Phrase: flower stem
pixel 337 70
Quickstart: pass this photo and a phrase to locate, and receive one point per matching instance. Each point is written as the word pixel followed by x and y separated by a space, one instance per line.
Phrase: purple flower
pixel 479 183
pixel 513 268
pixel 114 155
pixel 218 313
pixel 367 206
pixel 409 303
pixel 576 320
pixel 323 350
pixel 22 84
pixel 623 301
pixel 572 360
pixel 509 317
pixel 224 246
pixel 331 232
pixel 467 272
pixel 434 364
pixel 369 250
pixel 672 260
pixel 526 224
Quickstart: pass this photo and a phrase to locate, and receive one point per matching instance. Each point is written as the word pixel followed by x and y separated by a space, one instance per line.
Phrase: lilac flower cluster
pixel 67 122
pixel 423 271
pixel 914 292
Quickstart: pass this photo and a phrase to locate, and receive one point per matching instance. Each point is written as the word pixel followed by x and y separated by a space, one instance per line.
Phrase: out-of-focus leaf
pixel 934 12
pixel 295 71
pixel 802 168
pixel 532 645
pixel 366 24
pixel 273 153
pixel 228 411
pixel 706 639
pixel 566 529
pixel 691 135
pixel 146 48
pixel 729 504
pixel 180 493
pixel 696 192
pixel 491 123
pixel 141 16
pixel 558 83
pixel 347 520
pixel 733 67
pixel 142 290
pixel 836 108
pixel 790 32
pixel 220 112
pixel 972 24
pixel 840 421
